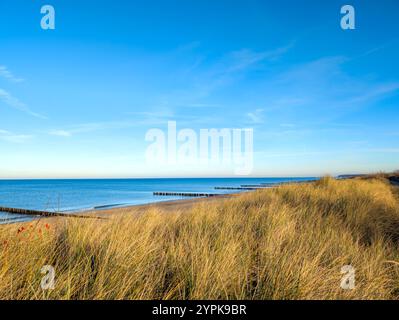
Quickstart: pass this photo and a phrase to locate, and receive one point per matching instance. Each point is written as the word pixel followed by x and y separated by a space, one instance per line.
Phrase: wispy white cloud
pixel 91 127
pixel 7 74
pixel 202 105
pixel 10 100
pixel 280 154
pixel 323 90
pixel 187 47
pixel 287 125
pixel 155 113
pixel 205 78
pixel 60 133
pixel 283 154
pixel 14 138
pixel 381 47
pixel 145 118
pixel 241 61
pixel 256 116
pixel 15 103
pixel 376 92
pixel 245 58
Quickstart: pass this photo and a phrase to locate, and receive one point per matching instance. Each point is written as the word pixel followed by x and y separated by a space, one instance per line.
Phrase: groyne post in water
pixel 43 213
pixel 184 194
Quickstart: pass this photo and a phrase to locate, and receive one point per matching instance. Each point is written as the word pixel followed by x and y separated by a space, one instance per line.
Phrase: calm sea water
pixel 86 194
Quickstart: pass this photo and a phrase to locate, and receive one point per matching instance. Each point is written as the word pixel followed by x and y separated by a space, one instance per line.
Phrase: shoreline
pixel 165 206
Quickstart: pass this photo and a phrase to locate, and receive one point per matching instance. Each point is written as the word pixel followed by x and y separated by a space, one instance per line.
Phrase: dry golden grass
pixel 284 243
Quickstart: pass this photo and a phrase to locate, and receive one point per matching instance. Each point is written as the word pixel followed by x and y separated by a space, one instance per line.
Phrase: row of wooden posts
pixel 157 193
pixel 42 213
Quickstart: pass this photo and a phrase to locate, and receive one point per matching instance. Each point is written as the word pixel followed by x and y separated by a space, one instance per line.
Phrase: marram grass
pixel 284 243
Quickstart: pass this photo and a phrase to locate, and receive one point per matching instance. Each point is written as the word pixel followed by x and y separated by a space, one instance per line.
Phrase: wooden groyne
pixel 282 183
pixel 43 213
pixel 184 194
pixel 394 180
pixel 234 188
pixel 254 186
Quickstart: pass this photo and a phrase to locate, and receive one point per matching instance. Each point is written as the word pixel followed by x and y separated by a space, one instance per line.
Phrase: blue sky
pixel 77 101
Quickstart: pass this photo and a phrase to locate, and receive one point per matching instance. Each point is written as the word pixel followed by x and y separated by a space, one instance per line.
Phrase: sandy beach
pixel 183 205
pixel 162 206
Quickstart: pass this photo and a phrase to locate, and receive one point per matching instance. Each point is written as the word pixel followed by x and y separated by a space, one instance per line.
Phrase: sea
pixel 77 195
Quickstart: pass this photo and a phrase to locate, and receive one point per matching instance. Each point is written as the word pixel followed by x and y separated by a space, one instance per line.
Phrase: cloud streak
pixel 15 103
pixel 7 74
pixel 245 58
pixel 256 116
pixel 14 138
pixel 60 133
pixel 208 77
pixel 91 127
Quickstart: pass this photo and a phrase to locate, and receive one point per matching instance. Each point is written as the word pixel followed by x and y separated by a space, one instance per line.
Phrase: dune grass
pixel 288 242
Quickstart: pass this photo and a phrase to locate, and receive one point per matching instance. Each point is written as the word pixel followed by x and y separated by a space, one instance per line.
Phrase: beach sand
pixel 164 206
